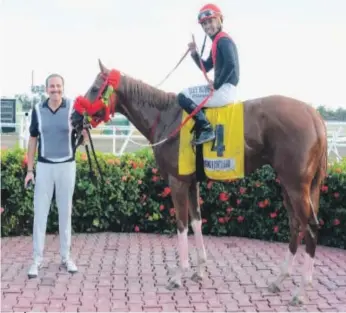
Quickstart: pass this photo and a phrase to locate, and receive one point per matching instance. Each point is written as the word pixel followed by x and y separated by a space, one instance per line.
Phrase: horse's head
pixel 99 102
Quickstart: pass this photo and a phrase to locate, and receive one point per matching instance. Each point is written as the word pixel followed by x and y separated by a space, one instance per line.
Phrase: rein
pixel 193 113
pixel 106 103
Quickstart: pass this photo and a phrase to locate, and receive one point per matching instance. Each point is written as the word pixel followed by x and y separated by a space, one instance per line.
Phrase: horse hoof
pixel 173 285
pixel 196 277
pixel 274 288
pixel 296 301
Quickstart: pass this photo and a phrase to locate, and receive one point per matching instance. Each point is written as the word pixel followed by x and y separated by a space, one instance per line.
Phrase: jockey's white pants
pixel 62 176
pixel 226 94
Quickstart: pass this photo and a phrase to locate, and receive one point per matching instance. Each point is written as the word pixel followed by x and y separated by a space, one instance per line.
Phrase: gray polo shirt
pixel 54 131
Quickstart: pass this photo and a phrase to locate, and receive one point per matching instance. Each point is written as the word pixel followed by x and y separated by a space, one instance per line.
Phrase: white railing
pixel 336 132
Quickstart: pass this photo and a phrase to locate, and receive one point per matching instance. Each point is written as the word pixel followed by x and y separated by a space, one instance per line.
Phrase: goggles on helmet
pixel 207 14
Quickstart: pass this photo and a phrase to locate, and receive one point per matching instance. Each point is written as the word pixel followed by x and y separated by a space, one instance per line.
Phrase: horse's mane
pixel 147 95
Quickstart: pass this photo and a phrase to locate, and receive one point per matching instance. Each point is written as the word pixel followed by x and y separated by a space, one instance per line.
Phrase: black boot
pixel 204 131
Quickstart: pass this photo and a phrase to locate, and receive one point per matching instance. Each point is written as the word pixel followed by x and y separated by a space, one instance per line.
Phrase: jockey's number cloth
pixel 223 158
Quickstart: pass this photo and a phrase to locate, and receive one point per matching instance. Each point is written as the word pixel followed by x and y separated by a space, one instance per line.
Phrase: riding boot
pixel 204 130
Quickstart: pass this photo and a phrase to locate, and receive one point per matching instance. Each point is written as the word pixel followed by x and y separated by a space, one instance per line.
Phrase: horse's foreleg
pixel 179 191
pixel 196 224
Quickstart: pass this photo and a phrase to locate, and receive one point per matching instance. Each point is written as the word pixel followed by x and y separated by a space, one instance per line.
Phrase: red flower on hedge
pixel 155 178
pixel 242 190
pixel 336 222
pixel 162 207
pixel 263 204
pixel 154 170
pixel 273 214
pixel 238 201
pixel 276 229
pixel 324 188
pixel 336 195
pixel 223 196
pixel 204 221
pixel 240 219
pixel 137 229
pixel 166 192
pixel 321 221
pixel 210 184
pixel 221 220
pixel 229 210
pixel 25 161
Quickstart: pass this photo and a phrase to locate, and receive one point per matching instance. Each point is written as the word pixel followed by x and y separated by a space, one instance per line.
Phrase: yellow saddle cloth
pixel 223 158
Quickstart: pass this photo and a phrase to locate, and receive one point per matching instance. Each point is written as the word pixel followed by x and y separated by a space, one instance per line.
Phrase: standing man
pixel 51 132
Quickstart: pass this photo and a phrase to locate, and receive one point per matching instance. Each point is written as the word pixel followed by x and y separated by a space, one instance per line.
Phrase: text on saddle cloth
pixel 223 158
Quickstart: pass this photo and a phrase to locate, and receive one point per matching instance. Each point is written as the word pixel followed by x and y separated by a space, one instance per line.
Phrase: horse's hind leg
pixel 196 224
pixel 287 265
pixel 311 242
pixel 180 191
pixel 299 196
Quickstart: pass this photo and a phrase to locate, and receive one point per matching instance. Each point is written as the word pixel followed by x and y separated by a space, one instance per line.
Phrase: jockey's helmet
pixel 209 11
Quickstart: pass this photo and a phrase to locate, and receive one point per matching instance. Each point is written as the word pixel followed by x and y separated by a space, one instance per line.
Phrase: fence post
pixel 114 139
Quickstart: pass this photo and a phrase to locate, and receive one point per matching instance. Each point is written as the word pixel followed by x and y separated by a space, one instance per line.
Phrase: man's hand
pixel 211 84
pixel 29 178
pixel 192 47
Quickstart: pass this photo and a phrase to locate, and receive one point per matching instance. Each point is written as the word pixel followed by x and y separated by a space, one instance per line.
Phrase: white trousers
pixel 226 94
pixel 62 176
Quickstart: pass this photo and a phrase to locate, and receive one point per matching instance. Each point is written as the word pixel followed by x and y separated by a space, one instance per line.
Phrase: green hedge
pixel 135 198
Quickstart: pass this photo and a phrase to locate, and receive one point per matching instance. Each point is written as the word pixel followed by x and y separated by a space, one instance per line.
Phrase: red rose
pixel 336 222
pixel 221 220
pixel 223 196
pixel 240 219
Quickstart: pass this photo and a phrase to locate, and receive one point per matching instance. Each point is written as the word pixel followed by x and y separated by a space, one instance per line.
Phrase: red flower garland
pixel 82 105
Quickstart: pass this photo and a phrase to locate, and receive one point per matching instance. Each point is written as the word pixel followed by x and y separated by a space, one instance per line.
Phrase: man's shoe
pixel 70 266
pixel 33 270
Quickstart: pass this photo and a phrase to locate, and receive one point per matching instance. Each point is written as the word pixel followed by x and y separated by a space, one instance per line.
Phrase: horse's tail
pixel 322 171
pixel 322 164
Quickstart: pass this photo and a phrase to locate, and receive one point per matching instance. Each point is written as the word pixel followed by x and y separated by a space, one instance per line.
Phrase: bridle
pixel 87 114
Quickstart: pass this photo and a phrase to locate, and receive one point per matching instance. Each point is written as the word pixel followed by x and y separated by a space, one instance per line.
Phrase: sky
pixel 295 48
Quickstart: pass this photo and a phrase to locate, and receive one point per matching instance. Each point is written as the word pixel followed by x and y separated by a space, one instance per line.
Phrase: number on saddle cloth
pixel 218 143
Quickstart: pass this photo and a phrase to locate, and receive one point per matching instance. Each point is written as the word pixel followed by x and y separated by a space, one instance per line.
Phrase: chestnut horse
pixel 283 132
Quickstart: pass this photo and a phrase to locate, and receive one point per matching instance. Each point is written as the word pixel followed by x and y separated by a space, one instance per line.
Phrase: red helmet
pixel 209 11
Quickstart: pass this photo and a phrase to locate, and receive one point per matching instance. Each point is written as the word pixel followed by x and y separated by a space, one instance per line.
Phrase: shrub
pixel 135 198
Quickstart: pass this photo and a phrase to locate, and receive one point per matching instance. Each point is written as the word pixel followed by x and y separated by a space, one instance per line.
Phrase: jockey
pixel 224 59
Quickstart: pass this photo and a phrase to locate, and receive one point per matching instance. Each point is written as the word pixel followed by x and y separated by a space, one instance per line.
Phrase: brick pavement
pixel 128 272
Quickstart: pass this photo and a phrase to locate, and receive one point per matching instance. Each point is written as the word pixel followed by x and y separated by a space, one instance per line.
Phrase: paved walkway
pixel 128 272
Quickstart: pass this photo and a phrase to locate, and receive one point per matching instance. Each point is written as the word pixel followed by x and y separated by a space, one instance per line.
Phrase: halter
pixel 88 113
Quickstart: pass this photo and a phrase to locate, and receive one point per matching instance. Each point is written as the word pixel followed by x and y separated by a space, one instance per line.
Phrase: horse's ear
pixel 103 69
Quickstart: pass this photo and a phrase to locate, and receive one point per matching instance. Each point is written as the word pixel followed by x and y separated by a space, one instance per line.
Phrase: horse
pixel 283 132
